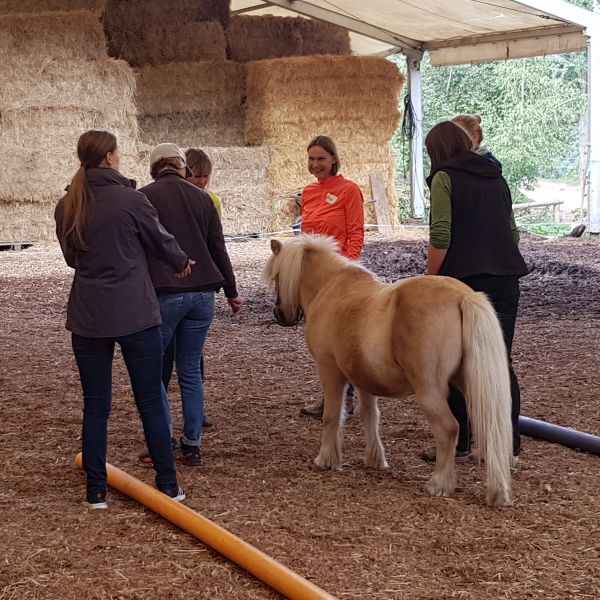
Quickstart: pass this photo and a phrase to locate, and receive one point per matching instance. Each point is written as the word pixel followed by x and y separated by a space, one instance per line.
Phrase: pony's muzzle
pixel 281 320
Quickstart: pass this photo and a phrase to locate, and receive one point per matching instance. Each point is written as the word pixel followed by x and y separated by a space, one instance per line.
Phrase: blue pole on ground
pixel 560 435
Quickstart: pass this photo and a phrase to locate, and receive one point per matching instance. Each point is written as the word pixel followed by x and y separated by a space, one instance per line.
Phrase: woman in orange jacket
pixel 333 206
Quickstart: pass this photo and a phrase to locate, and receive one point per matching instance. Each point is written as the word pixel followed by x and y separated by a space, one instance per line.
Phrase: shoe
pixel 349 404
pixel 145 457
pixel 207 421
pixel 189 455
pixel 514 461
pixel 314 410
pixel 173 491
pixel 96 500
pixel 460 456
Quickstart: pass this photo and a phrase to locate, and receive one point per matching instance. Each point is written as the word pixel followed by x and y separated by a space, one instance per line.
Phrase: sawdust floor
pixel 356 533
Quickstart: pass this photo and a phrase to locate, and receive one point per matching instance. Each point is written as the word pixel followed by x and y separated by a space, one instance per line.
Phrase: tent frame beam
pixel 408 46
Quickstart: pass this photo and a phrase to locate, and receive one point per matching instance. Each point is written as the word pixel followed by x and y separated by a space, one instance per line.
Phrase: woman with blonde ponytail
pixel 106 229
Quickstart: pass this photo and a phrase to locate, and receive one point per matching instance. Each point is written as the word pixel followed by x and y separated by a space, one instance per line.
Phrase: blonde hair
pixel 472 125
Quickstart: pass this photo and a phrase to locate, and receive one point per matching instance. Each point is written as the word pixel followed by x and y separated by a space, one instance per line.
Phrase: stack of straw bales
pixel 256 38
pixel 353 99
pixel 154 32
pixel 58 81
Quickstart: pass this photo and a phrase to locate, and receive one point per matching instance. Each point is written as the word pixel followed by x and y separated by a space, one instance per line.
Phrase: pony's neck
pixel 318 269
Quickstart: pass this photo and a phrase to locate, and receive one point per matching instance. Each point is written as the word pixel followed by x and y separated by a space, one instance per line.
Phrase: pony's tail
pixel 487 392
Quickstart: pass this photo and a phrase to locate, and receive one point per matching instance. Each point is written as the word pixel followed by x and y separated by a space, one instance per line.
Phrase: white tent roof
pixel 452 31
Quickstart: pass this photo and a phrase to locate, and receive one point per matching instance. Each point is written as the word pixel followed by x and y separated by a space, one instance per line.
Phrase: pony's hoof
pixel 327 463
pixel 498 499
pixel 379 464
pixel 436 489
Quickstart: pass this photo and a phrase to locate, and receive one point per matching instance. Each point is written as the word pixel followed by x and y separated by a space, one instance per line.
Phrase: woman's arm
pixel 440 222
pixel 355 220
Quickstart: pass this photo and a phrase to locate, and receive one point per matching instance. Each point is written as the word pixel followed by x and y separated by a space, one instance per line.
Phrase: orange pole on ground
pixel 267 569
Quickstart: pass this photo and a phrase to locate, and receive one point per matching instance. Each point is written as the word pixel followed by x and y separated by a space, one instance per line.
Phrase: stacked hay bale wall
pixel 58 81
pixel 353 99
pixel 255 38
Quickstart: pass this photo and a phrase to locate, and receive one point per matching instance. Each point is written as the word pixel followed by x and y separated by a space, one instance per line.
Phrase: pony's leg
pixel 369 415
pixel 444 427
pixel 330 454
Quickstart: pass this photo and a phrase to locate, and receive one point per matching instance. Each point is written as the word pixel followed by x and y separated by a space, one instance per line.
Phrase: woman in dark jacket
pixel 105 228
pixel 473 237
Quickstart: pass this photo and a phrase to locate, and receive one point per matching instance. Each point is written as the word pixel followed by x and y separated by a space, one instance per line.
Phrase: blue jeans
pixel 142 353
pixel 186 318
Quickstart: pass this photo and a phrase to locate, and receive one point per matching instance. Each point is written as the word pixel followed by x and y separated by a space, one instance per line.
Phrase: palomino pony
pixel 415 336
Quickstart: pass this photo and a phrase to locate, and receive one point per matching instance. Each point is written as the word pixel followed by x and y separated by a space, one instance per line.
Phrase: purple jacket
pixel 112 294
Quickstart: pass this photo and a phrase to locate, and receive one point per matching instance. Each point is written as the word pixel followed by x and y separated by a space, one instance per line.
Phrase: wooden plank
pixel 537 204
pixel 382 209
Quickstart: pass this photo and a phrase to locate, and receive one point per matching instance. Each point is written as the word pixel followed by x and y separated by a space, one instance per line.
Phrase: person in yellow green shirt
pixel 201 168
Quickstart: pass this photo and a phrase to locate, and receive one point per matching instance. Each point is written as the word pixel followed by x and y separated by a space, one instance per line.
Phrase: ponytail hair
pixel 92 148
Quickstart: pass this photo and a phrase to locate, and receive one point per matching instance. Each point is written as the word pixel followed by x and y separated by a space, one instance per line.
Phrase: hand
pixel 187 270
pixel 236 304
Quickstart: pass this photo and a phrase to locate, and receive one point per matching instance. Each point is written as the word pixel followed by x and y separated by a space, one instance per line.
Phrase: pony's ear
pixel 276 247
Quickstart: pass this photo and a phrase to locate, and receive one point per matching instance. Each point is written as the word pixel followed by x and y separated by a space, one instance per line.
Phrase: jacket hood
pixel 469 162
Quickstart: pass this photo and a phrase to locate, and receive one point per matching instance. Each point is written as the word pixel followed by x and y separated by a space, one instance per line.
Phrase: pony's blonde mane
pixel 286 266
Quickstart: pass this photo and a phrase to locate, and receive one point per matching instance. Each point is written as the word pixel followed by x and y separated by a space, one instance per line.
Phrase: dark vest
pixel 481 241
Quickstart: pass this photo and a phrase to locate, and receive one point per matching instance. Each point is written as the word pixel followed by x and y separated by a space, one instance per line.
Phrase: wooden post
pixel 382 208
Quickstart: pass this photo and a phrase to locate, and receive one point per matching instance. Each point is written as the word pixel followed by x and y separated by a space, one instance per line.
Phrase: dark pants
pixel 142 353
pixel 504 294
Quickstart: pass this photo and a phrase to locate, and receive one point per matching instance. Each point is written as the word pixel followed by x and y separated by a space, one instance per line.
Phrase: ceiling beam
pixel 502 37
pixel 241 11
pixel 408 46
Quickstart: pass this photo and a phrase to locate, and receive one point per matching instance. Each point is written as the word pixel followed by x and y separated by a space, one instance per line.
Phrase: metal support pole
pixel 417 195
pixel 594 131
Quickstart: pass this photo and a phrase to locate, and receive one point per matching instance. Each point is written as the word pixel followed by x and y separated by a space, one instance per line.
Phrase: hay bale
pixel 206 87
pixel 29 7
pixel 255 38
pixel 194 104
pixel 43 82
pixel 152 32
pixel 45 105
pixel 168 43
pixel 26 221
pixel 286 106
pixel 148 14
pixel 193 129
pixel 62 35
pixel 240 180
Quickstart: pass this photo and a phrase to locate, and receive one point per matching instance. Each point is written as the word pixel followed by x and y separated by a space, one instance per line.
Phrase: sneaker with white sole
pixel 96 500
pixel 173 491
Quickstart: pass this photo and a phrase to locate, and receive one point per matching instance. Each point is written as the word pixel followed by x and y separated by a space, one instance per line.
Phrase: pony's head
pixel 282 272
